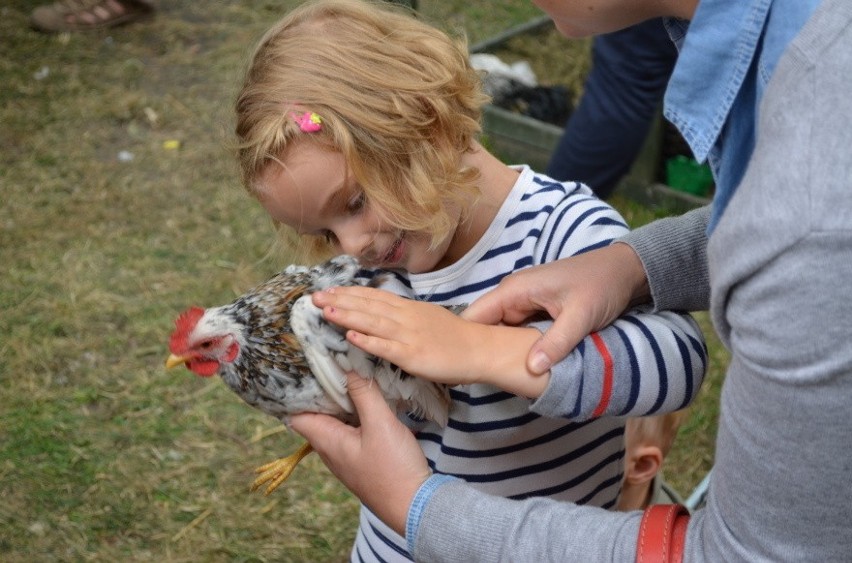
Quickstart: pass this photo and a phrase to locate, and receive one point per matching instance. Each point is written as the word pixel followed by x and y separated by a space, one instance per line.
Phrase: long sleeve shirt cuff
pixel 421 499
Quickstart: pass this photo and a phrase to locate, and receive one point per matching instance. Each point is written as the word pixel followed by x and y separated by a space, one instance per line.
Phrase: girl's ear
pixel 643 465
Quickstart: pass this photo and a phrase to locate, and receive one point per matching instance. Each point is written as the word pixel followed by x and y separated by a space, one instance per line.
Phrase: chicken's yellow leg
pixel 276 472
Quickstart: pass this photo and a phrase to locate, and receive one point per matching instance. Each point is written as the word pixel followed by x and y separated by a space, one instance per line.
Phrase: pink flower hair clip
pixel 308 122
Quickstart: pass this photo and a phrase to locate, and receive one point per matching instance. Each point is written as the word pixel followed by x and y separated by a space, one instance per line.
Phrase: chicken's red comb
pixel 183 326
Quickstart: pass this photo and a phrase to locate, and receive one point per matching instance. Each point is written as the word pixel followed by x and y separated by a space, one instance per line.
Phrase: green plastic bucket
pixel 686 175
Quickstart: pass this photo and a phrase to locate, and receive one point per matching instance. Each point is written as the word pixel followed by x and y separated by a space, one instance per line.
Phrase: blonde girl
pixel 357 128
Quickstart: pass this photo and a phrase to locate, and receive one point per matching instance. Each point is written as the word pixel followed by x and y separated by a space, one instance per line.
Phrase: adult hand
pixel 380 462
pixel 583 293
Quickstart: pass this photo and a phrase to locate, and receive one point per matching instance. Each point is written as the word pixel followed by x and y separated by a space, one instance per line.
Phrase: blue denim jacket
pixel 727 54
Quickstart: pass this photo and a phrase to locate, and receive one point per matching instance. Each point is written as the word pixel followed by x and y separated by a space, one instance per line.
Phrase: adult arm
pixel 461 524
pixel 664 262
pixel 673 253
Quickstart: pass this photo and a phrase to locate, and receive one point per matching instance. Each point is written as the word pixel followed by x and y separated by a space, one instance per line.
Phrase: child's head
pixel 399 106
pixel 647 442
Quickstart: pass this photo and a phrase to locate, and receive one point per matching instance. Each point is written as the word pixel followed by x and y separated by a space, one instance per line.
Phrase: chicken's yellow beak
pixel 175 360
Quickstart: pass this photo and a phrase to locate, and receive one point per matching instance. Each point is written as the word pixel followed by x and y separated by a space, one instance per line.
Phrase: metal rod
pixel 497 40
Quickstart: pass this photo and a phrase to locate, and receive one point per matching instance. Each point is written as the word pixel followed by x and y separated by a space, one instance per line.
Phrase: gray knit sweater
pixel 779 266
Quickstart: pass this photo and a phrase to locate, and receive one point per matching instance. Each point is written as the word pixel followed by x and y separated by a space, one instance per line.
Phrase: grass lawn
pixel 106 232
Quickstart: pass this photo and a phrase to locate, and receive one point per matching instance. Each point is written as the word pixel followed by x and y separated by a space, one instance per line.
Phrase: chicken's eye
pixel 206 345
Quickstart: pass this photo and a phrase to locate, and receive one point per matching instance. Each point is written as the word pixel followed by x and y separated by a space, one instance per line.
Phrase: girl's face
pixel 314 195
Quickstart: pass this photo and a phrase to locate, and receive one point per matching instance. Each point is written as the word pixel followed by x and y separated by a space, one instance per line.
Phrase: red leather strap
pixel 662 534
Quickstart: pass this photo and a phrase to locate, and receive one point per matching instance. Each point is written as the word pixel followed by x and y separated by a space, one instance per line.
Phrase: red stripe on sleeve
pixel 606 392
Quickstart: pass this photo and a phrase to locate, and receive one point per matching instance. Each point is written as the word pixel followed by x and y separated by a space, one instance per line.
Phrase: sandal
pixel 86 15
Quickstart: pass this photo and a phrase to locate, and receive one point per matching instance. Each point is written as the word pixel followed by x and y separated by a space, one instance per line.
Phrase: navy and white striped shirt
pixel 558 446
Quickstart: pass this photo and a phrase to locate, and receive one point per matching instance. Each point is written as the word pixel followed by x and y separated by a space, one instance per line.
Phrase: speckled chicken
pixel 274 349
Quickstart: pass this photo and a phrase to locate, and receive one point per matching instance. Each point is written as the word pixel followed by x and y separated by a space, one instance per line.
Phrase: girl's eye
pixel 356 203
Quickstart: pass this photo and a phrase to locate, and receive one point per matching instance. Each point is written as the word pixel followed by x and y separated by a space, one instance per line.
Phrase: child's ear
pixel 644 465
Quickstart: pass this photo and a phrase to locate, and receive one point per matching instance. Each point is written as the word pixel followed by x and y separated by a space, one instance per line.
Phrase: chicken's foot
pixel 276 472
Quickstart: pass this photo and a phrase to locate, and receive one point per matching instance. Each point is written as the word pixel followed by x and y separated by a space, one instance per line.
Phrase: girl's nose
pixel 353 242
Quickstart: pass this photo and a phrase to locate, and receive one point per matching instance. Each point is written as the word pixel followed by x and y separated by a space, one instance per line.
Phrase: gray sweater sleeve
pixel 673 251
pixel 483 528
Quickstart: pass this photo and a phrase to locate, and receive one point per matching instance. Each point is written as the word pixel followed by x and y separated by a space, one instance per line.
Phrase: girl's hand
pixel 380 462
pixel 429 341
pixel 422 338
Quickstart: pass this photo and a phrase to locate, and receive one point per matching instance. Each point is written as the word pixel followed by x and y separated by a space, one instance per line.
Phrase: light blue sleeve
pixel 421 499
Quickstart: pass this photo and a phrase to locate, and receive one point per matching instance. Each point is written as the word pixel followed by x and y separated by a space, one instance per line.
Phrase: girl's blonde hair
pixel 397 97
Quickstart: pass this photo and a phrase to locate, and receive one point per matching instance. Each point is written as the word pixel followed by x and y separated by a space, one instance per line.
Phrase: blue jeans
pixel 621 96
